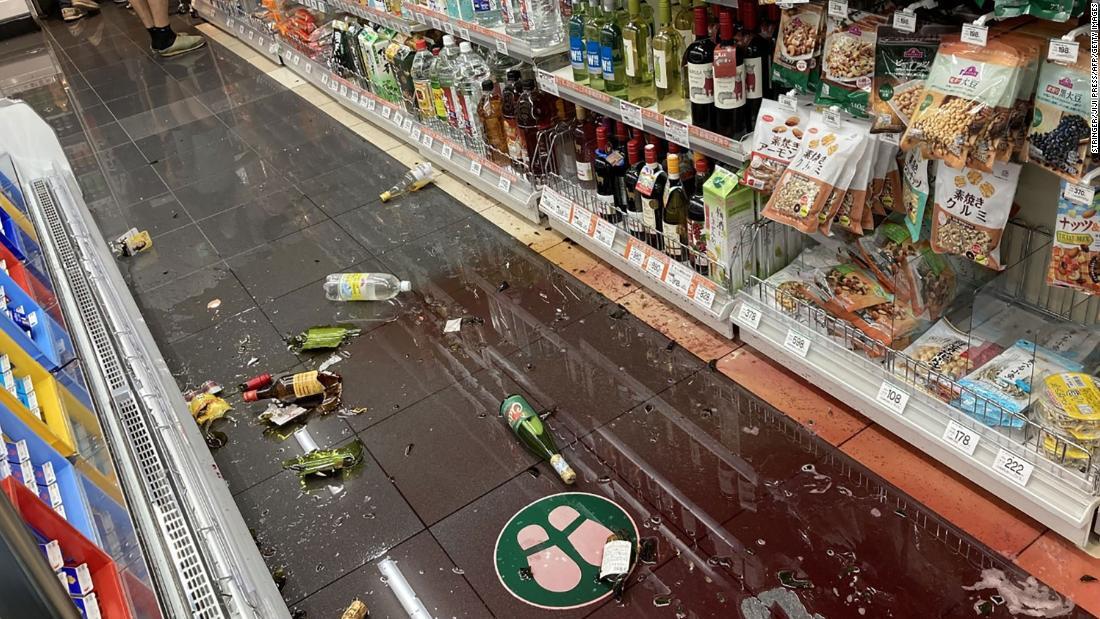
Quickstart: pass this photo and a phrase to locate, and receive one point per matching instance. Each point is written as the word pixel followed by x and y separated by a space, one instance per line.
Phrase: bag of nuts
pixel 915 187
pixel 851 198
pixel 795 61
pixel 943 355
pixel 1075 252
pixel 886 184
pixel 778 134
pixel 1058 140
pixel 902 63
pixel 1014 145
pixel 851 288
pixel 971 210
pixel 957 109
pixel 848 64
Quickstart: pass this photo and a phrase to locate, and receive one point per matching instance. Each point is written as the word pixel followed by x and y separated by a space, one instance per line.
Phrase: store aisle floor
pixel 252 196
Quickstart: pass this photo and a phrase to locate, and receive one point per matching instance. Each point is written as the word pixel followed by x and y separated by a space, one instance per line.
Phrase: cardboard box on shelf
pixel 78 580
pixel 52 550
pixel 729 207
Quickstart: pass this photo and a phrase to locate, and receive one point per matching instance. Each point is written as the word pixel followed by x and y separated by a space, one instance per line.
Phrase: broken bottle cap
pixel 256 382
pixel 251 395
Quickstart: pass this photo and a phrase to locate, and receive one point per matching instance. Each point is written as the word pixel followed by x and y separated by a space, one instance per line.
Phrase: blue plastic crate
pixel 47 341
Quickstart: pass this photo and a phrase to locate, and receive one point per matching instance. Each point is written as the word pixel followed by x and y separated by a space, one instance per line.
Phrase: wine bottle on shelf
pixel 577 51
pixel 584 141
pixel 696 220
pixel 675 211
pixel 729 89
pixel 755 51
pixel 492 120
pixel 610 167
pixel 651 192
pixel 668 47
pixel 593 25
pixel 621 136
pixel 611 52
pixel 530 118
pixel 513 138
pixel 636 57
pixel 683 20
pixel 534 435
pixel 687 172
pixel 634 163
pixel 699 59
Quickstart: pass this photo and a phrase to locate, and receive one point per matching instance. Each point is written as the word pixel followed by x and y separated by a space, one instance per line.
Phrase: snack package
pixel 1014 147
pixel 930 282
pixel 915 187
pixel 1068 407
pixel 1059 135
pixel 1006 383
pixel 848 64
pixel 823 159
pixel 775 140
pixel 849 213
pixel 886 253
pixel 957 110
pixel 902 63
pixel 945 355
pixel 971 210
pixel 890 324
pixel 795 281
pixel 1073 341
pixel 886 185
pixel 1075 252
pixel 798 47
pixel 851 288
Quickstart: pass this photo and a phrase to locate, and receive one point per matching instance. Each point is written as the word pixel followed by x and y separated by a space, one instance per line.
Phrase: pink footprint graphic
pixel 551 568
pixel 589 540
pixel 554 570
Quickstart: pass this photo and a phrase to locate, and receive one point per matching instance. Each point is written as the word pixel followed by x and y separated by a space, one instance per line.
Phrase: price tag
pixel 677 131
pixel 838 8
pixel 656 266
pixel 309 68
pixel 295 58
pixel 1063 51
pixel 446 151
pixel 371 105
pixel 333 86
pixel 631 114
pixel 548 83
pixel 975 35
pixel 703 293
pixel 679 277
pixel 448 28
pixel 892 138
pixel 604 234
pixel 251 35
pixel 428 141
pixel 273 48
pixel 1080 194
pixel 414 133
pixel 435 23
pixel 321 7
pixel 475 168
pixel 789 102
pixel 407 125
pixel 324 79
pixel 797 343
pixel 832 117
pixel 581 219
pixel 343 90
pixel 961 438
pixel 1015 469
pixel 635 254
pixel 502 47
pixel 398 118
pixel 504 184
pixel 905 21
pixel 893 398
pixel 240 28
pixel 464 33
pixel 749 316
pixel 354 96
pixel 386 111
pixel 555 205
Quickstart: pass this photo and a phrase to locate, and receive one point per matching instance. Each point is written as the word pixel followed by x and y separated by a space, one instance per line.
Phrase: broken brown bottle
pixel 304 388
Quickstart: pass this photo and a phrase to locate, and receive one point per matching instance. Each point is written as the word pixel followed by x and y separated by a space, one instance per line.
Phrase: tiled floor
pixel 253 194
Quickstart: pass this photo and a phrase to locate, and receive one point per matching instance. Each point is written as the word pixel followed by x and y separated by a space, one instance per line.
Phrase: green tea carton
pixel 729 208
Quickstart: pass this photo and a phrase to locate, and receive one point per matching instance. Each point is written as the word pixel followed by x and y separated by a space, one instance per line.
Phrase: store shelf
pixel 493 38
pixel 511 189
pixel 374 16
pixel 717 147
pixel 251 32
pixel 675 282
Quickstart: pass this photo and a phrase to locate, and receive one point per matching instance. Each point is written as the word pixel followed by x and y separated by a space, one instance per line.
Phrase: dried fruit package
pixel 971 210
pixel 1058 139
pixel 902 63
pixel 957 108
pixel 798 48
pixel 776 139
pixel 848 65
pixel 943 356
pixel 886 184
pixel 915 187
pixel 1075 252
pixel 823 159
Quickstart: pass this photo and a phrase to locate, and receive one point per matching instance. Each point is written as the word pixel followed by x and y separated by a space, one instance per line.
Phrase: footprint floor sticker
pixel 549 553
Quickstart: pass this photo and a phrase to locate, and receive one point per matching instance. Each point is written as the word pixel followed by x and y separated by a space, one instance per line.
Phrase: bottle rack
pixel 382 18
pixel 249 31
pixel 492 38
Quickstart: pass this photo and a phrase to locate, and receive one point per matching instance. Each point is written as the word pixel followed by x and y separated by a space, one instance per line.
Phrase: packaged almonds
pixel 775 140
pixel 1075 252
pixel 971 210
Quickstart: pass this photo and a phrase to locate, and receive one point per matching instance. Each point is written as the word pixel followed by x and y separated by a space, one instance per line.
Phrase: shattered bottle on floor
pixel 304 388
pixel 363 286
pixel 534 435
pixel 415 179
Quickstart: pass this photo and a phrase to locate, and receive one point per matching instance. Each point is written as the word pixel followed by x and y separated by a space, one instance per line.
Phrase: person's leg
pixel 154 16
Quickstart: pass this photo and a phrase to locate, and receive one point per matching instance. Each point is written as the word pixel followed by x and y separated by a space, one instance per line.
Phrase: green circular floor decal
pixel 549 553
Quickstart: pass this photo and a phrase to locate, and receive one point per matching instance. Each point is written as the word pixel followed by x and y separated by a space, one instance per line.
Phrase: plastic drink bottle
pixel 363 286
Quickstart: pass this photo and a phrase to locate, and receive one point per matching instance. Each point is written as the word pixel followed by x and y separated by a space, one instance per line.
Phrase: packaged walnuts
pixel 798 47
pixel 902 63
pixel 1075 252
pixel 971 210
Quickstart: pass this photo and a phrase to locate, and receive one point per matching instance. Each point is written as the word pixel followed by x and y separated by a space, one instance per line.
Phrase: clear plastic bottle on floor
pixel 487 13
pixel 363 286
pixel 542 26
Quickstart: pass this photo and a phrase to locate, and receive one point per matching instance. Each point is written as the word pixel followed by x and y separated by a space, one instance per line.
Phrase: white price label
pixel 635 255
pixel 975 35
pixel 343 90
pixel 333 86
pixel 631 114
pixel 1016 469
pixel 386 111
pixel 749 316
pixel 464 34
pixel 251 35
pixel 504 184
pixel 1080 194
pixel 324 79
pixel 679 277
pixel 832 117
pixel 1063 51
pixel 555 205
pixel 893 398
pixel 581 219
pixel 892 138
pixel 703 295
pixel 548 83
pixel 240 28
pixel 448 28
pixel 399 118
pixel 420 18
pixel 371 104
pixel 407 125
pixel 502 47
pixel 677 131
pixel 273 48
pixel 838 8
pixel 604 234
pixel 961 438
pixel 428 141
pixel 354 96
pixel 414 132
pixel 295 58
pixel 797 343
pixel 475 168
pixel 321 7
pixel 446 151
pixel 789 102
pixel 905 21
pixel 436 24
pixel 655 266
pixel 309 68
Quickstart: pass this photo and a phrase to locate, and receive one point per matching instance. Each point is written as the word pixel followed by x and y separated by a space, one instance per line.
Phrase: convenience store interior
pixel 753 489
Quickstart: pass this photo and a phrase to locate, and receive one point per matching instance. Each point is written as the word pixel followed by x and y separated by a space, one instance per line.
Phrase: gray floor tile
pixel 173 255
pixel 196 164
pixel 205 132
pixel 181 307
pixel 351 186
pixel 239 92
pixel 381 226
pixel 260 221
pixel 125 78
pixel 220 190
pixel 147 99
pixel 161 119
pixel 158 215
pixel 136 185
pixel 111 51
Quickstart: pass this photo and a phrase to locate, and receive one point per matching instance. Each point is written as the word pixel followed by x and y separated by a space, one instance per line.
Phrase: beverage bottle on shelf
pixel 438 100
pixel 696 220
pixel 699 59
pixel 611 162
pixel 500 64
pixel 303 388
pixel 651 194
pixel 535 436
pixel 611 52
pixel 668 48
pixel 636 57
pixel 620 137
pixel 528 119
pixel 687 172
pixel 729 87
pixel 422 82
pixel 545 113
pixel 675 211
pixel 577 51
pixel 462 9
pixel 511 13
pixel 756 52
pixel 564 153
pixel 448 72
pixel 492 121
pixel 683 20
pixel 472 72
pixel 593 52
pixel 399 56
pixel 584 144
pixel 607 205
pixel 542 23
pixel 416 178
pixel 487 13
pixel 634 163
pixel 516 150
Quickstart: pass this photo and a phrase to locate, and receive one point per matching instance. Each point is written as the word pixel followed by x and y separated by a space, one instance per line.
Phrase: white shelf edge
pixel 1065 508
pixel 264 43
pixel 393 22
pixel 493 38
